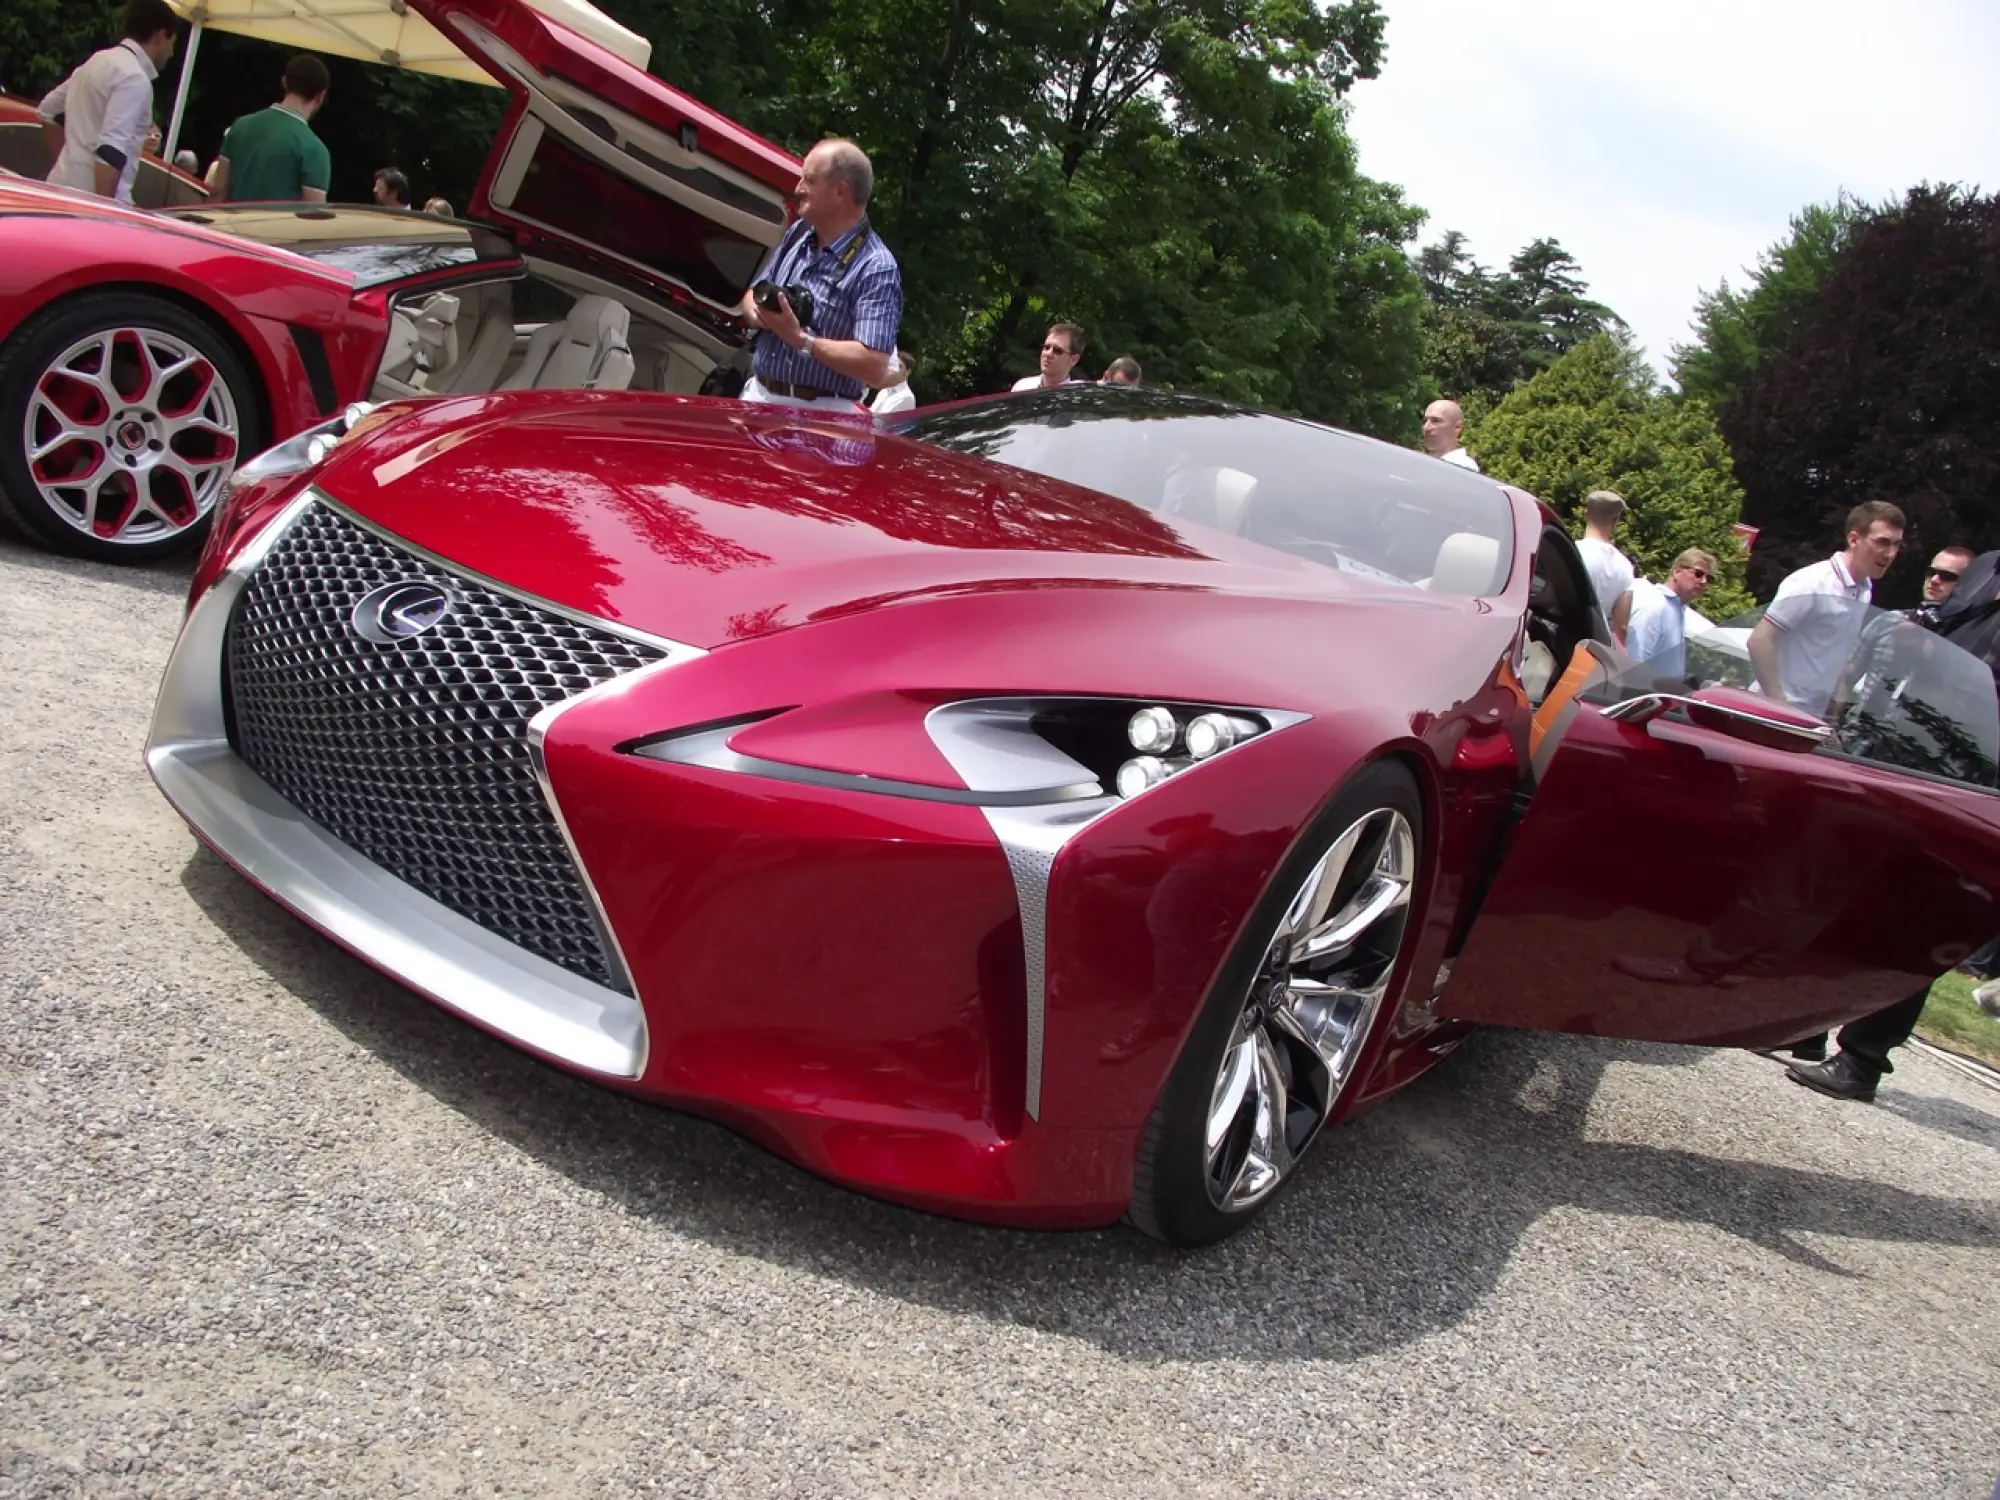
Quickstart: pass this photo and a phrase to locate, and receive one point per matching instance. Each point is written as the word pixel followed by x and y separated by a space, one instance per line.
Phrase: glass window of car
pixel 1347 502
pixel 1906 697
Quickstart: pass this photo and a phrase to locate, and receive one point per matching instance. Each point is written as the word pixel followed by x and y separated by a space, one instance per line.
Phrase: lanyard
pixel 862 234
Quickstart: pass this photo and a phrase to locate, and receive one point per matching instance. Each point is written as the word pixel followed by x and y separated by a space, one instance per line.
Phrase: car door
pixel 599 155
pixel 1697 865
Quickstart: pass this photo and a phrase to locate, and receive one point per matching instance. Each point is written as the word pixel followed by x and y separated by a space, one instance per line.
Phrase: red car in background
pixel 613 230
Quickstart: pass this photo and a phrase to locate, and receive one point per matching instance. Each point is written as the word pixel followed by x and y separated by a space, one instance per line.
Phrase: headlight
pixel 305 451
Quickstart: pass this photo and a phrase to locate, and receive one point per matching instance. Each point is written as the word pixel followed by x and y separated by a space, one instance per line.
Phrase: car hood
pixel 707 521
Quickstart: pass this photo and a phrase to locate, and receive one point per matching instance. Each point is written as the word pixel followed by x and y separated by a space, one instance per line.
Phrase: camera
pixel 765 294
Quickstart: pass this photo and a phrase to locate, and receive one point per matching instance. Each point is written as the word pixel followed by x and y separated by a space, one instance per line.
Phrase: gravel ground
pixel 270 1226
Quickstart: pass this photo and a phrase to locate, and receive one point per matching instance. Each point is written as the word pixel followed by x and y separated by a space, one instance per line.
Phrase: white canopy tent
pixel 378 31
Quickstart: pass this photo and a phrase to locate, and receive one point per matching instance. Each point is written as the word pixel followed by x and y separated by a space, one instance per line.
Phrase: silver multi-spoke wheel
pixel 1311 1005
pixel 129 434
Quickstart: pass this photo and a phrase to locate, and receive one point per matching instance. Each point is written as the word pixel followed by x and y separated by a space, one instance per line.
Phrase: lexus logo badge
pixel 397 611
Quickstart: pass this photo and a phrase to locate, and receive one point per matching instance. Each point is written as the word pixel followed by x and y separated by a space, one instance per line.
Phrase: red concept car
pixel 1056 807
pixel 142 355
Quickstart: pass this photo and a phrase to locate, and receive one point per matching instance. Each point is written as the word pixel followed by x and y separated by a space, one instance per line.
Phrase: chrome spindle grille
pixel 414 752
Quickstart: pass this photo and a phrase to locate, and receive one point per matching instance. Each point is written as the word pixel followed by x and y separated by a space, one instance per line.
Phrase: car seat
pixel 587 350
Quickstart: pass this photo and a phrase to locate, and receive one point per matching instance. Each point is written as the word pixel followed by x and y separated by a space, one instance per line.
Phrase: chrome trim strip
pixel 421 942
pixel 991 744
pixel 709 749
pixel 1649 706
pixel 676 650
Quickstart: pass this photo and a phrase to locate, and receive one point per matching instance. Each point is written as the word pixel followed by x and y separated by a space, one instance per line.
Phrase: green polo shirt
pixel 273 157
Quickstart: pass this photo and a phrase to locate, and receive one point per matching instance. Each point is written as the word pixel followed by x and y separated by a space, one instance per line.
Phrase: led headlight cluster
pixel 1157 733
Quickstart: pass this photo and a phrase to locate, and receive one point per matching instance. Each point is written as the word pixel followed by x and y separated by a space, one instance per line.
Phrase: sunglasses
pixel 1702 573
pixel 1054 349
pixel 1947 574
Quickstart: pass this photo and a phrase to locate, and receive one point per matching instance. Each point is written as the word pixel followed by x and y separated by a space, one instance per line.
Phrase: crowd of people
pixel 99 120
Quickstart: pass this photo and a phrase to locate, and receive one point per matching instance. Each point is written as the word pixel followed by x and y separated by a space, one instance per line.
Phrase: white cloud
pixel 1667 145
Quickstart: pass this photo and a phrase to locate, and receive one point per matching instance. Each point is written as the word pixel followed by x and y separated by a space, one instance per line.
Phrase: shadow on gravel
pixel 1945 1115
pixel 1399 1228
pixel 170 576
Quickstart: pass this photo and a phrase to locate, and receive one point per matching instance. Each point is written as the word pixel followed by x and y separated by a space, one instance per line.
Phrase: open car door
pixel 600 156
pixel 1701 864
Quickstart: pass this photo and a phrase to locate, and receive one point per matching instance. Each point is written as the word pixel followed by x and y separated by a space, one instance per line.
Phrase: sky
pixel 1667 145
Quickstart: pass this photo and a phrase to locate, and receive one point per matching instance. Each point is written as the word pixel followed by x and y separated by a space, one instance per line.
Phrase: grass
pixel 1953 1019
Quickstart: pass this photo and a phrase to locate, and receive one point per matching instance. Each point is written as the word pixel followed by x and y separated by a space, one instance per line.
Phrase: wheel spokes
pixel 130 434
pixel 1311 1009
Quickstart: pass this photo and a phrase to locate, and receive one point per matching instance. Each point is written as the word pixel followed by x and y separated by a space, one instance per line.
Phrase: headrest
pixel 1466 564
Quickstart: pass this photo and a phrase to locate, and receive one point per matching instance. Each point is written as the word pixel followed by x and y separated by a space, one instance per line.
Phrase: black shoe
pixel 1843 1078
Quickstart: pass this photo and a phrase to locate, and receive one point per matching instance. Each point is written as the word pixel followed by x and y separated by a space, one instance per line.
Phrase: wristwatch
pixel 806 348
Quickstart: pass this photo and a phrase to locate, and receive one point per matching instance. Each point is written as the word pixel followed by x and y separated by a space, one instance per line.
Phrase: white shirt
pixel 1611 572
pixel 1657 634
pixel 1463 459
pixel 1819 611
pixel 897 397
pixel 106 107
pixel 1034 382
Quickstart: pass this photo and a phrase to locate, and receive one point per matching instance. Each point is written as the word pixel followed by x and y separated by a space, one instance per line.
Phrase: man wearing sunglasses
pixel 1946 569
pixel 1656 635
pixel 1061 349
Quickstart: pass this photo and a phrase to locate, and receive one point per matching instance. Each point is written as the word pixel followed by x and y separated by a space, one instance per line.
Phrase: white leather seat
pixel 1466 564
pixel 421 343
pixel 587 351
pixel 1213 494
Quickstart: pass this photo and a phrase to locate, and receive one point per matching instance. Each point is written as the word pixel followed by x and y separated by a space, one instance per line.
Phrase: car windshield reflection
pixel 1350 503
pixel 1893 692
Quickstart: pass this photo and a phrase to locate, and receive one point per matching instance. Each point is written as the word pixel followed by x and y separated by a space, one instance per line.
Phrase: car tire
pixel 121 419
pixel 1275 1029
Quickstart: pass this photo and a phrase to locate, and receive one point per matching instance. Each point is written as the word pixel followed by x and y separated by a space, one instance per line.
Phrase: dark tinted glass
pixel 1349 502
pixel 374 246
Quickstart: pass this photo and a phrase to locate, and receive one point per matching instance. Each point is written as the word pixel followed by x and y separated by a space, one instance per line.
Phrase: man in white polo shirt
pixel 1801 648
pixel 96 120
pixel 1657 634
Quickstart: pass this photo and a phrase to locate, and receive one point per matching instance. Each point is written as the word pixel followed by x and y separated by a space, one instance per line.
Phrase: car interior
pixel 554 327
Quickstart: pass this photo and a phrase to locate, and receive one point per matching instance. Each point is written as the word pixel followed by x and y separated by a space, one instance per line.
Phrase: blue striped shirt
pixel 865 304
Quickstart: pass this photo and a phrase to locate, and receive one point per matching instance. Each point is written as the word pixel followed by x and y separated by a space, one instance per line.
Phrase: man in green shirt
pixel 273 156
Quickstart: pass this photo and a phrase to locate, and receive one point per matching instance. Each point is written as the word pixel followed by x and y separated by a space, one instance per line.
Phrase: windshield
pixel 1895 692
pixel 1343 501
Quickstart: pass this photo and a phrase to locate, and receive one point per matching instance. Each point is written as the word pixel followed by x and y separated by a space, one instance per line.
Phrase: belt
pixel 798 392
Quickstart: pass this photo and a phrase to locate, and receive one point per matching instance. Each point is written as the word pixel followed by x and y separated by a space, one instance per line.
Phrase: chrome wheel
pixel 1311 1006
pixel 129 434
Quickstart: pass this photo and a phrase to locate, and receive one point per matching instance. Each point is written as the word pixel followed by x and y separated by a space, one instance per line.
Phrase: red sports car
pixel 142 355
pixel 1055 807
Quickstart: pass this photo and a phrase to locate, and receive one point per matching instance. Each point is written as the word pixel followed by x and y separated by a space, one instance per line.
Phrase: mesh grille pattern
pixel 415 753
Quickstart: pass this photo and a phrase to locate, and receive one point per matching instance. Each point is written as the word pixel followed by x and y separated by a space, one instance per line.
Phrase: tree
pixel 1888 389
pixel 1594 419
pixel 1735 331
pixel 1486 333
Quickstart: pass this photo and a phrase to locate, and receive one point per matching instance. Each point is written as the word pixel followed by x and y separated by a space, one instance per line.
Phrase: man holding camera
pixel 823 348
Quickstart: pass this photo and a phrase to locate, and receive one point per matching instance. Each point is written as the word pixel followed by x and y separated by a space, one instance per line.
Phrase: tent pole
pixel 181 88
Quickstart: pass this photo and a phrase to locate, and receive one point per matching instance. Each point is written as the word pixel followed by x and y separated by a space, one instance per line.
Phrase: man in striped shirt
pixel 856 285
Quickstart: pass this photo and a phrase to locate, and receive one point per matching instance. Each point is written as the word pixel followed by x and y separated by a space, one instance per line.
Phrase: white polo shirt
pixel 1819 611
pixel 106 107
pixel 1657 634
pixel 1611 572
pixel 1460 458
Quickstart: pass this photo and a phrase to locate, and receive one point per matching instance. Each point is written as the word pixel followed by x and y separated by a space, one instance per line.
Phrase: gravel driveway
pixel 270 1225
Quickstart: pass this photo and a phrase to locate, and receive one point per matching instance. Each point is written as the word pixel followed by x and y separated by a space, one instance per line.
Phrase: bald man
pixel 1443 422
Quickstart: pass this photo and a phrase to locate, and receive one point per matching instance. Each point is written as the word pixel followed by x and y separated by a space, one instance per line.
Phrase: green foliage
pixel 1735 331
pixel 41 40
pixel 1486 333
pixel 1887 389
pixel 1594 419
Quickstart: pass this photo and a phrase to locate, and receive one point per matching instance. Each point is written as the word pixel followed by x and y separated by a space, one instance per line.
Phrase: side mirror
pixel 1750 717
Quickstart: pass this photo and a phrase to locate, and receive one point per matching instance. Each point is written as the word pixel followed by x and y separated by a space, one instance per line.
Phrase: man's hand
pixel 780 323
pixel 105 177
